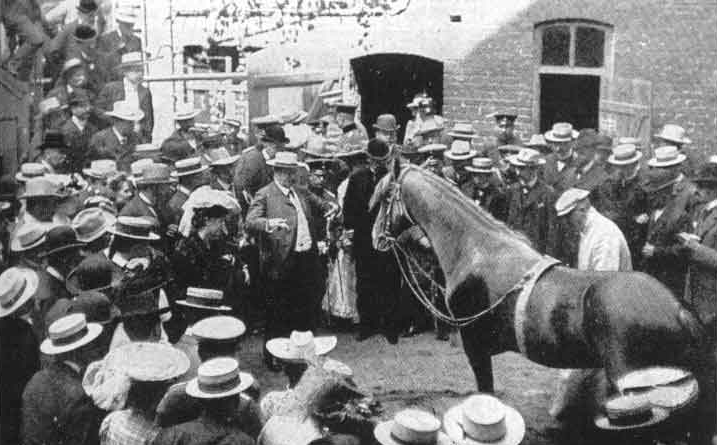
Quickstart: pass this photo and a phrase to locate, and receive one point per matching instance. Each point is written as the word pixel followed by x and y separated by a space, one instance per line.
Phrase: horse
pixel 502 291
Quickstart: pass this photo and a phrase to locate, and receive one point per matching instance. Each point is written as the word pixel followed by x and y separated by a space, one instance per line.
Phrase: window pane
pixel 556 45
pixel 589 47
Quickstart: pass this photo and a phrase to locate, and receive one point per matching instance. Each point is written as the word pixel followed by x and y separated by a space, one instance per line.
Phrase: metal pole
pixel 145 32
pixel 171 48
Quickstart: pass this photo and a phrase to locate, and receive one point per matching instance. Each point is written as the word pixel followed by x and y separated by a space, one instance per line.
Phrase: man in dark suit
pixel 120 41
pixel 561 167
pixel 78 130
pixel 253 172
pixel 282 218
pixel 185 141
pixel 154 189
pixel 377 275
pixel 130 89
pixel 190 174
pixel 83 46
pixel 117 142
pixel 58 46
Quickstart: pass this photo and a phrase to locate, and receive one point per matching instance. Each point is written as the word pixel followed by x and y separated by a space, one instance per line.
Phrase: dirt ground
pixel 435 375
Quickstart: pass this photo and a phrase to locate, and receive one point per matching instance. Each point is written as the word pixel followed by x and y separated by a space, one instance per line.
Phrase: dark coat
pixel 105 145
pixel 176 147
pixel 98 70
pixel 174 206
pixel 533 214
pixel 357 216
pixel 252 172
pixel 593 181
pixel 49 290
pixel 56 410
pixel 623 203
pixel 203 431
pixel 114 92
pixel 19 361
pixel 559 180
pixel 79 143
pixel 270 202
pixel 702 277
pixel 491 198
pixel 113 45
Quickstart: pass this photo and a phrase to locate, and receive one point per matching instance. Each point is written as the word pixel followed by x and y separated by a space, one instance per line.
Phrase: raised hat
pixel 84 33
pixel 219 328
pixel 433 148
pixel 674 133
pixel 666 156
pixel 153 361
pixel 387 123
pixel 483 419
pixel 59 239
pixel 378 150
pixel 300 346
pixel 537 140
pixel 42 188
pixel 156 174
pixel 30 170
pixel 17 286
pixel 87 6
pixel 569 200
pixel 101 169
pixel 526 157
pixel 220 156
pixel 624 155
pixel 481 165
pixel 274 133
pixel 69 333
pixel 411 427
pixel 94 273
pixel 91 223
pixel 96 306
pixel 53 139
pixel 218 378
pixel 135 228
pixel 462 130
pixel 284 159
pixel 185 111
pixel 460 150
pixel 189 166
pixel 125 111
pixel 27 237
pixel 561 132
pixel 203 298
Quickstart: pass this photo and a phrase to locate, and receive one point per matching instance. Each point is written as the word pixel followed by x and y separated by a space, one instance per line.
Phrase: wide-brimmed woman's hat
pixel 561 132
pixel 153 362
pixel 284 159
pixel 91 223
pixel 202 298
pixel 101 169
pixel 185 111
pixel 433 148
pixel 666 156
pixel 218 378
pixel 218 329
pixel 69 333
pixel 526 157
pixel 28 237
pixel 461 150
pixel 673 133
pixel 17 286
pixel 135 228
pixel 125 111
pixel 189 166
pixel 624 154
pixel 94 273
pixel 462 130
pixel 630 412
pixel 484 419
pixel 386 123
pixel 411 427
pixel 220 156
pixel 481 165
pixel 301 345
pixel 30 170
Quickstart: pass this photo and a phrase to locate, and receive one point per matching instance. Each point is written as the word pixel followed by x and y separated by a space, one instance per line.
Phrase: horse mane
pixel 457 198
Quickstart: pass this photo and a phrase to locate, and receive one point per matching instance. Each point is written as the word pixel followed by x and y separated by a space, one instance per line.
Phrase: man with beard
pixel 377 276
pixel 78 130
pixel 561 166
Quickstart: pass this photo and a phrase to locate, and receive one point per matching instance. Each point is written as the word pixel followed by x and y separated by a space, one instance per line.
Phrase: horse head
pixel 392 218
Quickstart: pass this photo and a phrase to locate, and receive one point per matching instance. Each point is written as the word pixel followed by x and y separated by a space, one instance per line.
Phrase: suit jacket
pixel 492 198
pixel 702 278
pixel 114 45
pixel 114 92
pixel 176 147
pixel 105 145
pixel 79 143
pixel 56 410
pixel 19 361
pixel 174 206
pixel 49 290
pixel 270 202
pixel 252 172
pixel 533 214
pixel 357 216
pixel 623 202
pixel 559 180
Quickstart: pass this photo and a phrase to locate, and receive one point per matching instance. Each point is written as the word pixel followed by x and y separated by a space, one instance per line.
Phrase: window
pixel 572 44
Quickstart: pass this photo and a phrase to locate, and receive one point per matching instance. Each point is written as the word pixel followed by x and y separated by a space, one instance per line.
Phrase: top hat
pixel 561 132
pixel 189 166
pixel 60 239
pixel 411 427
pixel 156 174
pixel 125 111
pixel 462 130
pixel 94 273
pixel 135 228
pixel 504 116
pixel 218 378
pixel 660 179
pixel 673 133
pixel 274 133
pixel 84 33
pixel 87 6
pixel 91 223
pixel 624 155
pixel 526 157
pixel 101 169
pixel 53 139
pixel 378 150
pixel 570 198
pixel 386 123
pixel 284 159
pixel 17 286
pixel 262 122
pixel 42 188
pixel 483 419
pixel 481 165
pixel 219 328
pixel 28 236
pixel 300 346
pixel 153 362
pixel 69 333
pixel 185 111
pixel 30 170
pixel 202 298
pixel 537 141
pixel 460 151
pixel 130 60
pixel 666 156
pixel 220 156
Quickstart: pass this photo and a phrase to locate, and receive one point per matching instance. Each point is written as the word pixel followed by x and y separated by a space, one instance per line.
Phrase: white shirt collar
pixel 55 273
pixel 78 123
pixel 144 198
pixel 711 205
pixel 283 189
pixel 265 154
pixel 119 136
pixel 184 190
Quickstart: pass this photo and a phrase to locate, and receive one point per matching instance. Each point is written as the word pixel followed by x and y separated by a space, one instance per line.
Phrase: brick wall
pixel 671 43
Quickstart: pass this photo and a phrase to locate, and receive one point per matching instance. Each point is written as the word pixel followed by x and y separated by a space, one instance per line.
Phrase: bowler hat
pixel 673 133
pixel 87 6
pixel 94 273
pixel 84 33
pixel 53 139
pixel 275 133
pixel 60 239
pixel 387 123
pixel 378 150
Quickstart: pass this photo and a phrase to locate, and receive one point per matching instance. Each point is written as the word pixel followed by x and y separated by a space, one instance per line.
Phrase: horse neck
pixel 466 240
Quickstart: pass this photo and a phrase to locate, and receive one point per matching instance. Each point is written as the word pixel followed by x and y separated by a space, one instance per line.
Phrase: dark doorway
pixel 569 98
pixel 387 82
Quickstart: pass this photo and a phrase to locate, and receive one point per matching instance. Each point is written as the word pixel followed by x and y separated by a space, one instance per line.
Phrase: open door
pixel 626 110
pixel 388 81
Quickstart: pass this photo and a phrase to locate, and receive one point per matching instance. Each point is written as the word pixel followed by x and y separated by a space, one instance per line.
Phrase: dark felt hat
pixel 96 306
pixel 87 6
pixel 60 239
pixel 275 133
pixel 53 139
pixel 378 150
pixel 94 273
pixel 707 175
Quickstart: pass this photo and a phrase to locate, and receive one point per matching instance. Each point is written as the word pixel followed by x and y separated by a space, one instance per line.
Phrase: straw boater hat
pixel 624 155
pixel 202 298
pixel 153 362
pixel 630 412
pixel 411 427
pixel 137 168
pixel 101 169
pixel 17 286
pixel 673 133
pixel 69 333
pixel 147 151
pixel 526 157
pixel 537 141
pixel 28 237
pixel 91 223
pixel 30 170
pixel 561 132
pixel 189 166
pixel 185 111
pixel 42 188
pixel 134 228
pixel 220 156
pixel 460 151
pixel 569 200
pixel 386 123
pixel 219 328
pixel 156 174
pixel 484 419
pixel 125 111
pixel 131 60
pixel 284 159
pixel 666 156
pixel 462 130
pixel 481 165
pixel 433 148
pixel 219 378
pixel 300 346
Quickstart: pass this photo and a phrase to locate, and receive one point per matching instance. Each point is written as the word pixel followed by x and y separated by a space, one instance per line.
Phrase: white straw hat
pixel 69 333
pixel 219 378
pixel 484 419
pixel 300 346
